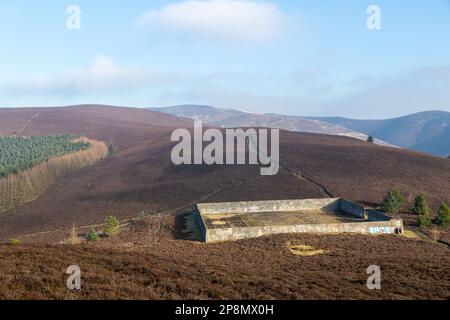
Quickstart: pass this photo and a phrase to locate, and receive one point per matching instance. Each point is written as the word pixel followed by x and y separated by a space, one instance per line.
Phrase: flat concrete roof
pixel 262 219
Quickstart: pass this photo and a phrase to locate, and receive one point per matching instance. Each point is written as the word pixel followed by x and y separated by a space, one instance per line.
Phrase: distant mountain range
pixel 230 118
pixel 426 131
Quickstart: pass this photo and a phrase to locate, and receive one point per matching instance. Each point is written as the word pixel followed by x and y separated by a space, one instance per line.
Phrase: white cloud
pixel 235 20
pixel 102 75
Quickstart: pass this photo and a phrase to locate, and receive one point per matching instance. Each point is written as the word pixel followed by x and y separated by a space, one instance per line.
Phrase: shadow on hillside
pixel 186 228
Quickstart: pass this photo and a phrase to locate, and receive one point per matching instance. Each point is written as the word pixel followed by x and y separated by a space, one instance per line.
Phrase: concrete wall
pixel 201 224
pixel 267 206
pixel 367 228
pixel 377 223
pixel 352 208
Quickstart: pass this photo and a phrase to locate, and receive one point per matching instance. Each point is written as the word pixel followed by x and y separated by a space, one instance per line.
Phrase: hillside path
pixel 298 174
pixel 36 115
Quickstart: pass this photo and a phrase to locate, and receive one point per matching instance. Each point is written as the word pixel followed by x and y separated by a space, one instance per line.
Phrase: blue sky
pixel 292 57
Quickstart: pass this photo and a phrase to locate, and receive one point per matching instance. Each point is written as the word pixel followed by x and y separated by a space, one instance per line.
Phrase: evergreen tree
pixel 112 226
pixel 92 236
pixel 21 153
pixel 420 205
pixel 111 150
pixel 399 197
pixel 393 202
pixel 421 208
pixel 443 215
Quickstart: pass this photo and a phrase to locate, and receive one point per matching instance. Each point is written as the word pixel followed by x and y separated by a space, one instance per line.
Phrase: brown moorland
pixel 140 177
pixel 147 261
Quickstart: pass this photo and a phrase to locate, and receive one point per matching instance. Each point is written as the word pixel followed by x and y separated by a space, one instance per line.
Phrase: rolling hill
pixel 230 118
pixel 425 131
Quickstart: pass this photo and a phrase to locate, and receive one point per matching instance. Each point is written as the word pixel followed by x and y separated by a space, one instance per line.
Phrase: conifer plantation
pixel 21 153
pixel 29 165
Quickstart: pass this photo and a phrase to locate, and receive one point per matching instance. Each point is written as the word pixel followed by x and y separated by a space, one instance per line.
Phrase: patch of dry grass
pixel 304 250
pixel 410 234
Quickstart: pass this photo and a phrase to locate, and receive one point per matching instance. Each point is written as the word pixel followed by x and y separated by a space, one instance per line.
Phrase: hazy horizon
pixel 222 108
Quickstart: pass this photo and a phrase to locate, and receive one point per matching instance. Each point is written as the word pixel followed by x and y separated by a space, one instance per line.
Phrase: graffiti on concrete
pixel 381 230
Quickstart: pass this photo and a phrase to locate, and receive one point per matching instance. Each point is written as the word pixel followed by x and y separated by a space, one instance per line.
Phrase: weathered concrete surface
pixel 368 228
pixel 267 206
pixel 277 218
pixel 375 223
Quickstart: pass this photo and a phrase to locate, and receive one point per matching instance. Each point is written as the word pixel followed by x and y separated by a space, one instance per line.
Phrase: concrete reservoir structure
pixel 230 221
